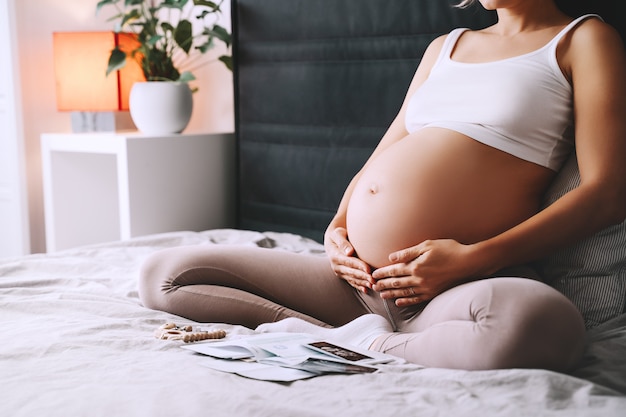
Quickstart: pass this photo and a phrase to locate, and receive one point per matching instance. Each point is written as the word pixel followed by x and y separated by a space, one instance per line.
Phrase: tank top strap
pixel 569 27
pixel 448 44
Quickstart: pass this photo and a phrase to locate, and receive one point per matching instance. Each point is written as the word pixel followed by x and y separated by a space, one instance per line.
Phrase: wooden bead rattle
pixel 170 331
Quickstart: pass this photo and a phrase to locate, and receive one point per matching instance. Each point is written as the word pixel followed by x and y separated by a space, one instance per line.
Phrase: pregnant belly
pixel 438 184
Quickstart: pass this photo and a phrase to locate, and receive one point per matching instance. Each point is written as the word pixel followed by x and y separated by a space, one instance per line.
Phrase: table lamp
pixel 98 102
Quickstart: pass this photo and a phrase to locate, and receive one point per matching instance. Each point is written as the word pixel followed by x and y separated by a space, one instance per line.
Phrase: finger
pixel 353 274
pixel 340 237
pixel 395 270
pixel 387 284
pixel 354 263
pixel 413 296
pixel 409 294
pixel 363 286
pixel 404 292
pixel 339 258
pixel 408 254
pixel 356 282
pixel 358 287
pixel 409 301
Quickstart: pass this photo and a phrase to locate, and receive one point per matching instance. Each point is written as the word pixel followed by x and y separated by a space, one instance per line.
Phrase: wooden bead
pixel 170 331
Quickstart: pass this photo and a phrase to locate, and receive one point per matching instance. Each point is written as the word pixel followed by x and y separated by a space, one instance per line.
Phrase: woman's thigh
pixel 246 285
pixel 493 323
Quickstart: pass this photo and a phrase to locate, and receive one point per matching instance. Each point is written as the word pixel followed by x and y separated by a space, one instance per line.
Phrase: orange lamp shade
pixel 80 63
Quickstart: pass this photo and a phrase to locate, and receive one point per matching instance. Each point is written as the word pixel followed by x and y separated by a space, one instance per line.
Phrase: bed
pixel 76 341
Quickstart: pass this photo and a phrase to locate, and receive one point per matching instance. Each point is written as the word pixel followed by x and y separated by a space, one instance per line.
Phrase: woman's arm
pixel 595 60
pixel 336 241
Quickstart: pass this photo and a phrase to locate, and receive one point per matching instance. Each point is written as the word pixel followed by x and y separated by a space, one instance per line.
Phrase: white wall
pixel 14 235
pixel 36 21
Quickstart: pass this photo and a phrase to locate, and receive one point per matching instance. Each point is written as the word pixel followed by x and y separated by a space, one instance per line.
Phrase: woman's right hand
pixel 344 262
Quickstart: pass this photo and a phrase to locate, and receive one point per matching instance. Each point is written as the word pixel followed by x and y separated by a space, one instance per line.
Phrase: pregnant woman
pixel 427 255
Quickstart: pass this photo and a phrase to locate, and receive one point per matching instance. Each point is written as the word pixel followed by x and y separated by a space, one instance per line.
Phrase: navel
pixel 373 189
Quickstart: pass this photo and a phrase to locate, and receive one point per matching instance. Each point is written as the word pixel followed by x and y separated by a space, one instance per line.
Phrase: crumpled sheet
pixel 75 341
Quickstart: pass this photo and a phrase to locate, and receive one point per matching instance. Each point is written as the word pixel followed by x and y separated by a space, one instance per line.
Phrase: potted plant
pixel 171 35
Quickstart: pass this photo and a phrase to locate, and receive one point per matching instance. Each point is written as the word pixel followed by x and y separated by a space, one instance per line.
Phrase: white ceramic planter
pixel 160 107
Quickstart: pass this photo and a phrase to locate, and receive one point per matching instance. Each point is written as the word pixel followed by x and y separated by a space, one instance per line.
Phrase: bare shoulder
pixel 592 48
pixel 595 34
pixel 430 56
pixel 433 50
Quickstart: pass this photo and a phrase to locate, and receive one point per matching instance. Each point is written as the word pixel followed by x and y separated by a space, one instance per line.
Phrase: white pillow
pixel 591 272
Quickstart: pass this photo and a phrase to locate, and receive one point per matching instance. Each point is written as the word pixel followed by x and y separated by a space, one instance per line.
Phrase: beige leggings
pixel 500 322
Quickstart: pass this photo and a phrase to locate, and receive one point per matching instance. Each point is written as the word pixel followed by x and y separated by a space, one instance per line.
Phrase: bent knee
pixel 166 270
pixel 546 331
pixel 156 276
pixel 561 336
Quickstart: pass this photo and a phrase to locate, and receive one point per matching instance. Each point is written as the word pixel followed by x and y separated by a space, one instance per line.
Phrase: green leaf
pixel 203 14
pixel 227 60
pixel 205 3
pixel 117 60
pixel 186 76
pixel 130 16
pixel 102 3
pixel 117 16
pixel 220 33
pixel 174 4
pixel 209 44
pixel 183 35
pixel 153 40
pixel 167 27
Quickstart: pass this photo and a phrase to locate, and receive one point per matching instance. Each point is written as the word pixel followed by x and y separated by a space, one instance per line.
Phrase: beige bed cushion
pixel 592 272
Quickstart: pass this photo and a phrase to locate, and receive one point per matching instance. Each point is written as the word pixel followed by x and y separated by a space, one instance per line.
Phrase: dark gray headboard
pixel 317 82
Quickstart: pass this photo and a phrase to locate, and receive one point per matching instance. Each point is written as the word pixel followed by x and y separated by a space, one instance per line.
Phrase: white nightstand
pixel 101 187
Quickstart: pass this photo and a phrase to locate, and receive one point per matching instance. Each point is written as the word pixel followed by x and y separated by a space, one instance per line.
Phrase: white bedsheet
pixel 75 341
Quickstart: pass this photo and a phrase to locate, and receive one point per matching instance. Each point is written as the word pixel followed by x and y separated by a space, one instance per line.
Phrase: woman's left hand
pixel 422 272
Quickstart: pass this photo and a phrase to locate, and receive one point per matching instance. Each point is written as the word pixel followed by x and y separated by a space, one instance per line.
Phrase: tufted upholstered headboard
pixel 317 82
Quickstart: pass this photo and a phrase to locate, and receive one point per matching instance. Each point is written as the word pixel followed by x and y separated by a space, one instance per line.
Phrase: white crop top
pixel 520 105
